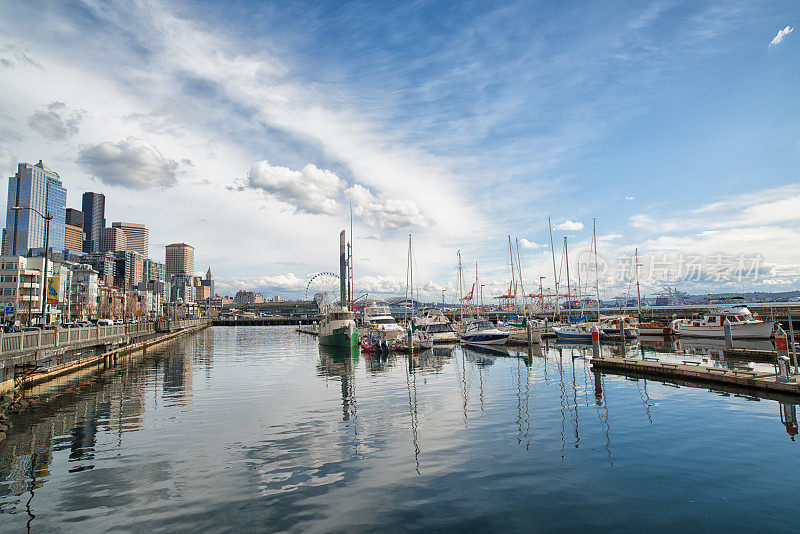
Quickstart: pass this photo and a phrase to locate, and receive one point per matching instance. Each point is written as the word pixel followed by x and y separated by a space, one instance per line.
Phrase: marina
pixel 473 437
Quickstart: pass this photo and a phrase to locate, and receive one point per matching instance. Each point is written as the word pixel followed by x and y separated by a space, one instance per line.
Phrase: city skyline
pixel 667 124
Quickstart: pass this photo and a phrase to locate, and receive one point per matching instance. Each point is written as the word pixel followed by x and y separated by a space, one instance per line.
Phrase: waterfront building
pixel 180 259
pixel 83 291
pixel 113 240
pixel 37 187
pixel 137 237
pixel 94 219
pixel 248 297
pixel 185 293
pixel 22 285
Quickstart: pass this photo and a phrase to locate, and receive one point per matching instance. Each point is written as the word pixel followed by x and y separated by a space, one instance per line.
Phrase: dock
pixel 693 371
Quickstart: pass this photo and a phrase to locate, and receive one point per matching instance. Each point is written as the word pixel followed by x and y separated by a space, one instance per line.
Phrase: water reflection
pixel 292 436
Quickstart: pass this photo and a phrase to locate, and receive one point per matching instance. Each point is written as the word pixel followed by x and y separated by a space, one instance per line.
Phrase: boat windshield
pixel 435 328
pixel 481 325
pixel 382 320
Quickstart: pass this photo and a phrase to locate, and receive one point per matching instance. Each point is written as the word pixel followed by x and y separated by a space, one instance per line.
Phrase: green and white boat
pixel 338 329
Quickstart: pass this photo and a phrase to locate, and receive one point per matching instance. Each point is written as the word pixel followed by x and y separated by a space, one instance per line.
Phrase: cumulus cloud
pixel 530 245
pixel 310 190
pixel 132 163
pixel 781 36
pixel 56 122
pixel 7 160
pixel 570 226
pixel 390 214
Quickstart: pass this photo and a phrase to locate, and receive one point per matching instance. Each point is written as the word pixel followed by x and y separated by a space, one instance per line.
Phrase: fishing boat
pixel 338 328
pixel 437 327
pixel 483 332
pixel 744 325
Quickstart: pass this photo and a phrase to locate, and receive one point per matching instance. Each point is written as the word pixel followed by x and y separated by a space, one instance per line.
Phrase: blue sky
pixel 246 128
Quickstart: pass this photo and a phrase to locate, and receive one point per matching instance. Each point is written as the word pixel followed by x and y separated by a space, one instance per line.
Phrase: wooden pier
pixel 693 371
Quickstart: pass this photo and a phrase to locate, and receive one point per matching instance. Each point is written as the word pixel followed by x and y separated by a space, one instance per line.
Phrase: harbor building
pixel 180 259
pixel 137 237
pixel 94 219
pixel 113 240
pixel 39 188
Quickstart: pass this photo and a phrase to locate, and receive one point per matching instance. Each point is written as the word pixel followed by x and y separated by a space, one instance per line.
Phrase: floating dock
pixel 693 371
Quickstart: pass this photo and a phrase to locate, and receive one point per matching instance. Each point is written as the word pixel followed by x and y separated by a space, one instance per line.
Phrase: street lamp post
pixel 47 218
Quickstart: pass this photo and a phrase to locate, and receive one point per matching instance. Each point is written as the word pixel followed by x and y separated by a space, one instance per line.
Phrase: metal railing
pixel 17 342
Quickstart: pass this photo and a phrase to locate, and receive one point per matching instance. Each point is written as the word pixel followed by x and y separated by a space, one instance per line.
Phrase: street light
pixel 443 290
pixel 47 218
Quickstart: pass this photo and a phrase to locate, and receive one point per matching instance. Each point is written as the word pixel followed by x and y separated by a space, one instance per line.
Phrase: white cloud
pixel 8 161
pixel 570 226
pixel 132 163
pixel 630 198
pixel 383 213
pixel 530 245
pixel 781 36
pixel 56 122
pixel 310 190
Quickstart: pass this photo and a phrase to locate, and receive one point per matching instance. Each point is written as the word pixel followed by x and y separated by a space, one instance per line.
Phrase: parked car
pixel 105 322
pixel 30 329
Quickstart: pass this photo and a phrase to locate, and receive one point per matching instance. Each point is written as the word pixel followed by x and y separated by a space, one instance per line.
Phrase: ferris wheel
pixel 324 289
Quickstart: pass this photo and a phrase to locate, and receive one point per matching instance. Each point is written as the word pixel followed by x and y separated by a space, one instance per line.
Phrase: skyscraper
pixel 137 237
pixel 37 187
pixel 74 218
pixel 73 230
pixel 94 219
pixel 112 240
pixel 180 259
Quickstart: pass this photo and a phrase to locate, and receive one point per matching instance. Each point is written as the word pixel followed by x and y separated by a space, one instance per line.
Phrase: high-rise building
pixel 112 240
pixel 104 264
pixel 128 269
pixel 39 188
pixel 74 218
pixel 137 237
pixel 94 219
pixel 180 259
pixel 73 238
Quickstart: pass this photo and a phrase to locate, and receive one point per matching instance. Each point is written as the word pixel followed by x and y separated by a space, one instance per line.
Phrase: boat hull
pixel 340 337
pixel 484 339
pixel 738 331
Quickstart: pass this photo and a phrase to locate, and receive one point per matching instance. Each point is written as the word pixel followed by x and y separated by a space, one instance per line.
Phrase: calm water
pixel 254 428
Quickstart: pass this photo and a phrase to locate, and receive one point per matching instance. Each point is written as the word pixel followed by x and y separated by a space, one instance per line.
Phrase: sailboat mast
pixel 638 295
pixel 513 285
pixel 596 271
pixel 460 287
pixel 411 278
pixel 476 292
pixel 553 255
pixel 521 283
pixel 569 291
pixel 408 272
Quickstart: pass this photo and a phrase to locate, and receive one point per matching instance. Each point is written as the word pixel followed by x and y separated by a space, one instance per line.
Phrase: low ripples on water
pixel 257 428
